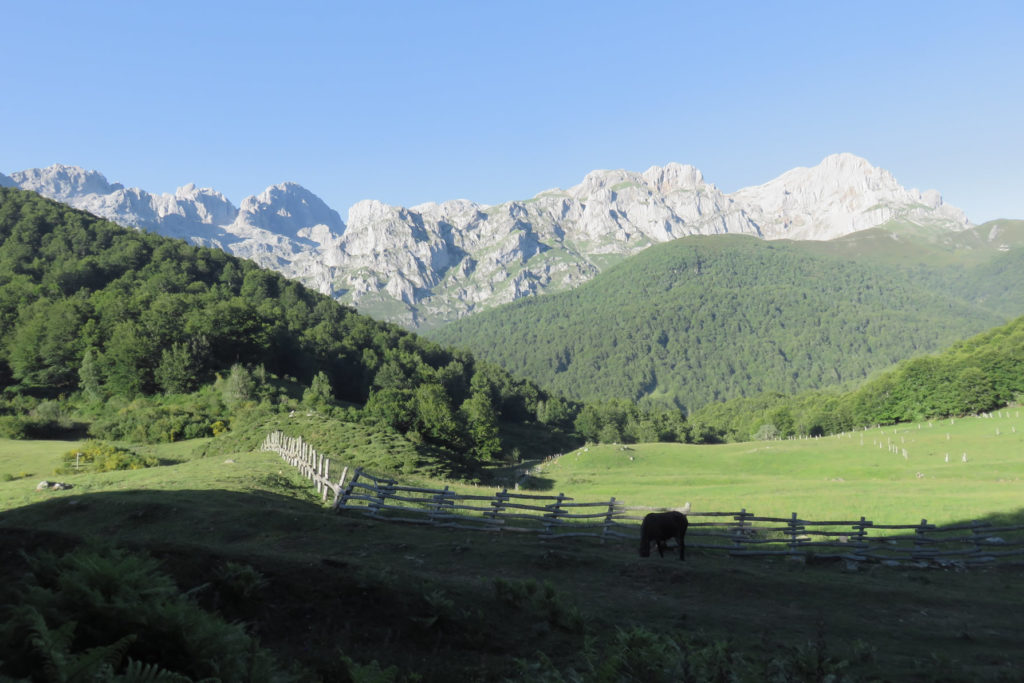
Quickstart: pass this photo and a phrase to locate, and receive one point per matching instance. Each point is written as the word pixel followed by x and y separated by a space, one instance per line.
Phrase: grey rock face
pixel 423 265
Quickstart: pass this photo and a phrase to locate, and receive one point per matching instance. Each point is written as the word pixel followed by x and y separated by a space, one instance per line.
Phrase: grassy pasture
pixel 30 462
pixel 431 600
pixel 837 477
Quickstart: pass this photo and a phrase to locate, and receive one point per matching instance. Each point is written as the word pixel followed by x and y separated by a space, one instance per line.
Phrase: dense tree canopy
pixel 976 375
pixel 704 319
pixel 88 306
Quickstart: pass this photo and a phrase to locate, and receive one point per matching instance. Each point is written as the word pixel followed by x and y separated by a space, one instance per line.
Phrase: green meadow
pixel 842 477
pixel 335 594
pixel 23 464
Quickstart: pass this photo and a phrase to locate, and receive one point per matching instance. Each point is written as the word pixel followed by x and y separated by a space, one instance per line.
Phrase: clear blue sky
pixel 490 101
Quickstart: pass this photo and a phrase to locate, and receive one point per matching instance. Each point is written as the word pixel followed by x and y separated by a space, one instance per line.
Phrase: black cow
pixel 658 527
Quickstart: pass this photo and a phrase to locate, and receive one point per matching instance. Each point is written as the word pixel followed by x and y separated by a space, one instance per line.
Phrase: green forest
pixel 129 336
pixel 135 336
pixel 98 318
pixel 976 375
pixel 702 320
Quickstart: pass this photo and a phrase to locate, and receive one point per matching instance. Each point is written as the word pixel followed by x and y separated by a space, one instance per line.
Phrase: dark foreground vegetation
pixel 261 586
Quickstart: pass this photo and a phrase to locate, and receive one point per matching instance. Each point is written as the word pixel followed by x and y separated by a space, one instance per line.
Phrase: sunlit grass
pixel 842 477
pixel 29 462
pixel 838 477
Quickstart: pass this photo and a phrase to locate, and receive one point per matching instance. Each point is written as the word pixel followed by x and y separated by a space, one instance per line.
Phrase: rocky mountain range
pixel 424 265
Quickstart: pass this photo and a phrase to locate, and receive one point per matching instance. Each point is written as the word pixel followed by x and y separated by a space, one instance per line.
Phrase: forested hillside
pixel 123 319
pixel 983 265
pixel 979 374
pixel 705 319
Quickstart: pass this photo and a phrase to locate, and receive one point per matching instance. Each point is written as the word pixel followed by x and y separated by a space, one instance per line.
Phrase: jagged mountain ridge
pixel 423 265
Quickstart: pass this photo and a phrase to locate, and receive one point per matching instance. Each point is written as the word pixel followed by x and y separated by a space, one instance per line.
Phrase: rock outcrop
pixel 423 265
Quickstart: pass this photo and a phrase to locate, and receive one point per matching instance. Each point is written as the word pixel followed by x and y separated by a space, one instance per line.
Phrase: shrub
pixel 14 427
pixel 103 457
pixel 146 421
pixel 542 599
pixel 33 427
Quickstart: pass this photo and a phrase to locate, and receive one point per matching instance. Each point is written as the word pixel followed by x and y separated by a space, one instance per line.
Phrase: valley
pixel 145 372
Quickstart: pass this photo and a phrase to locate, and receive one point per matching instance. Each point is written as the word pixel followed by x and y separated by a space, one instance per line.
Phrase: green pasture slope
pixel 837 477
pixel 23 464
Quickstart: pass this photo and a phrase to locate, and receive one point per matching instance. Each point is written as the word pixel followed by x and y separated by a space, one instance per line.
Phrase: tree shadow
pixel 531 482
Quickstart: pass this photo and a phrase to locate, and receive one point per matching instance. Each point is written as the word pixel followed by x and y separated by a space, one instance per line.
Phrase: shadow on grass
pixel 363 585
pixel 535 483
pixel 146 517
pixel 310 583
pixel 1001 520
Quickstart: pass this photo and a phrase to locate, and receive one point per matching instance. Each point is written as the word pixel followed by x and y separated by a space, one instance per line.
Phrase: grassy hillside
pixel 704 319
pixel 843 476
pixel 328 595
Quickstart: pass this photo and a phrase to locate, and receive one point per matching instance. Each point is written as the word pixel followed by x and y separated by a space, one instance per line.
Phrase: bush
pixel 103 457
pixel 146 421
pixel 36 420
pixel 14 427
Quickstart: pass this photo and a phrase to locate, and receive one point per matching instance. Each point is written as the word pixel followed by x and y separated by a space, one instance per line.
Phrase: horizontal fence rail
pixel 739 534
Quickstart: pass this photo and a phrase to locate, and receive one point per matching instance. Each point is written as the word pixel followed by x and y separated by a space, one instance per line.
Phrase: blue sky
pixel 411 102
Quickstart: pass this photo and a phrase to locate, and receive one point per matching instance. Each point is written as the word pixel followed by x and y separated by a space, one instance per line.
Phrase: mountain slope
pixel 111 315
pixel 982 266
pixel 432 263
pixel 712 318
pixel 976 375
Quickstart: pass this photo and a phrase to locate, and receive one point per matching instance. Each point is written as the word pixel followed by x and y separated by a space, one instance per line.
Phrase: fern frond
pixel 140 672
pixel 88 665
pixel 51 646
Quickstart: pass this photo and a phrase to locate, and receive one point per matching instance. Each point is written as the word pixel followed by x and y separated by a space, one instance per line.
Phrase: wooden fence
pixel 739 534
pixel 312 465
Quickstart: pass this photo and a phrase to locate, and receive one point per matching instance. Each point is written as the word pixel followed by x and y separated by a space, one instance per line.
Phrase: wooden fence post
pixel 552 517
pixel 439 504
pixel 339 487
pixel 382 494
pixel 738 533
pixel 861 535
pixel 343 502
pixel 608 520
pixel 793 531
pixel 919 532
pixel 325 475
pixel 498 504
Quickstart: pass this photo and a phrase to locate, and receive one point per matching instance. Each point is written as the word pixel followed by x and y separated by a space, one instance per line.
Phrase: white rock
pixel 443 261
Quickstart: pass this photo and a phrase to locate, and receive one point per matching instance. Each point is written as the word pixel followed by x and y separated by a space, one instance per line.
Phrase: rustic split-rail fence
pixel 739 534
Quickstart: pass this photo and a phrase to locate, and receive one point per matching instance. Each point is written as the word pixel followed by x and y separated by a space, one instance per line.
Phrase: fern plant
pixel 111 603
